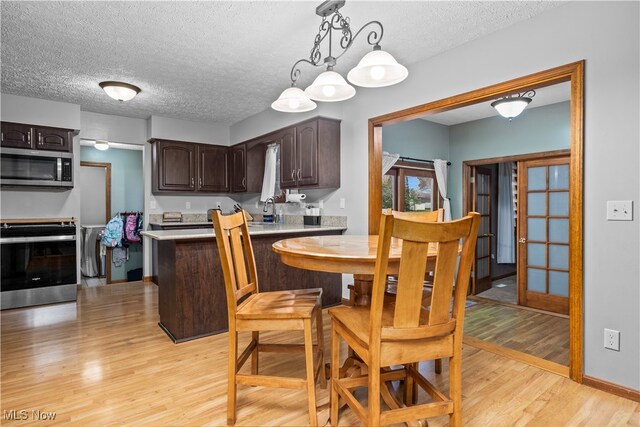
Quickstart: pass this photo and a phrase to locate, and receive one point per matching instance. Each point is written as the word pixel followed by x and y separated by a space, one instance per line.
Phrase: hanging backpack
pixel 130 228
pixel 112 235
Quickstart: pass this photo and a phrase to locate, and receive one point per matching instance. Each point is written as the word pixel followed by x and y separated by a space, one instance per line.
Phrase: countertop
pixel 258 229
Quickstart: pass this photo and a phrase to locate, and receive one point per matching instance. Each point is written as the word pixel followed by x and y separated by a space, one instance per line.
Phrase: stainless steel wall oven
pixel 38 264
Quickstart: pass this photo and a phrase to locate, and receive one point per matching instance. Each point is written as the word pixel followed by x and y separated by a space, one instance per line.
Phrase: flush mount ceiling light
pixel 120 91
pixel 101 144
pixel 376 69
pixel 512 105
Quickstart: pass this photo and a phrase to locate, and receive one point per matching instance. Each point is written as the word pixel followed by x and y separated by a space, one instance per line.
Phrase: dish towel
pixel 269 180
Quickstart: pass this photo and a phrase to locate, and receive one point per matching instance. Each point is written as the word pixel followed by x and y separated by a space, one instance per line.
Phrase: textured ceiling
pixel 213 61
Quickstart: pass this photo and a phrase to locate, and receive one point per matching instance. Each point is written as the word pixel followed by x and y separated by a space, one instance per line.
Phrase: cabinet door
pixel 213 168
pixel 288 167
pixel 17 135
pixel 307 154
pixel 176 166
pixel 256 151
pixel 239 168
pixel 52 139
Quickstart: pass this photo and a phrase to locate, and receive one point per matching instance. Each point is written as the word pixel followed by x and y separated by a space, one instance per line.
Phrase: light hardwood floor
pixel 104 361
pixel 531 332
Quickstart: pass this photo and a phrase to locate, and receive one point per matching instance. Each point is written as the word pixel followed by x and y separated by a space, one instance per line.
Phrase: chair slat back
pixel 236 256
pixel 410 320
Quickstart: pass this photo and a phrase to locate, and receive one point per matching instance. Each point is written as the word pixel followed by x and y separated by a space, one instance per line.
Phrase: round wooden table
pixel 347 254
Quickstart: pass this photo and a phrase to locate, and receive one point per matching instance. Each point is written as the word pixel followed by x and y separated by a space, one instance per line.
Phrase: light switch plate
pixel 620 210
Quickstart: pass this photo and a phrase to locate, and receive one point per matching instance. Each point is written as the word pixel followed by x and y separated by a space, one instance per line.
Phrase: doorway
pixel 572 73
pixel 95 211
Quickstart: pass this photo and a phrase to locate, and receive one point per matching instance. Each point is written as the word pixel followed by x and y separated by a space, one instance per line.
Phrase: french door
pixel 482 205
pixel 543 234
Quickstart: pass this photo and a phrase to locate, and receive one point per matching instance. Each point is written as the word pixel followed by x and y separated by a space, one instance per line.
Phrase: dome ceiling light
pixel 101 144
pixel 120 91
pixel 512 105
pixel 376 69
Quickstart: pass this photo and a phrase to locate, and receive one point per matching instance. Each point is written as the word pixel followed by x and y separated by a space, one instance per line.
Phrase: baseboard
pixel 618 390
pixel 115 282
pixel 150 279
pixel 503 276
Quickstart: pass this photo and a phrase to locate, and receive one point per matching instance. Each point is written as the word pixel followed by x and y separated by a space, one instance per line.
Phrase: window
pixel 410 187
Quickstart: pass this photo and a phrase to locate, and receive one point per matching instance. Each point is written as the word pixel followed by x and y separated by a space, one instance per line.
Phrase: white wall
pixel 606 35
pixel 21 109
pixel 185 130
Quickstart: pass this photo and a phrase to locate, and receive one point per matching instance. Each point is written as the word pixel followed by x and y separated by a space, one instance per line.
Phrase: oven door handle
pixel 36 239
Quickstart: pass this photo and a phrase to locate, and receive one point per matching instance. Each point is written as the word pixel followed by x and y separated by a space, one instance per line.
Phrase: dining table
pixel 347 254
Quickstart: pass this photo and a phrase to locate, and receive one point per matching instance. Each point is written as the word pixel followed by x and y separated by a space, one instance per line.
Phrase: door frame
pixel 107 213
pixel 573 73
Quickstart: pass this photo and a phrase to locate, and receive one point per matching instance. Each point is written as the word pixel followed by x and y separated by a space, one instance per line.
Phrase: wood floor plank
pixel 104 361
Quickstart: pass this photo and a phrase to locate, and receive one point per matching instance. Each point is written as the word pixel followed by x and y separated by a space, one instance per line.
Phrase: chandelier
pixel 512 105
pixel 376 69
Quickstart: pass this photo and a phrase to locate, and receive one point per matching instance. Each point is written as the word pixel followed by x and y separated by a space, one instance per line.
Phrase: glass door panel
pixel 482 205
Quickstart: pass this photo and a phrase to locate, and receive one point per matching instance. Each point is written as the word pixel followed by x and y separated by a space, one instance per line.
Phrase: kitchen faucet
pixel 266 207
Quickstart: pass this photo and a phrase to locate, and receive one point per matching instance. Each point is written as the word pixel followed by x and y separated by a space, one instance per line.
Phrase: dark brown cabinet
pixel 189 167
pixel 17 135
pixel 310 154
pixel 174 166
pixel 213 168
pixel 238 154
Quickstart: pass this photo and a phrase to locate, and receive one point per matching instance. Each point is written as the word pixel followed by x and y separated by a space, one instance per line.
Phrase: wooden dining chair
pixel 268 311
pixel 402 332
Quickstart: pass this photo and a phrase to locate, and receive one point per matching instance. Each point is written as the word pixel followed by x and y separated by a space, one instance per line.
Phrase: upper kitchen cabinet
pixel 310 154
pixel 238 155
pixel 33 137
pixel 213 168
pixel 174 166
pixel 189 167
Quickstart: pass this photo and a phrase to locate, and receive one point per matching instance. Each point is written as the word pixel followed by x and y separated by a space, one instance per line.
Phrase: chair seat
pixel 295 304
pixel 355 321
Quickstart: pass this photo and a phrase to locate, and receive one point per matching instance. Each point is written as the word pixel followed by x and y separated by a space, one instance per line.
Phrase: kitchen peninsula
pixel 191 294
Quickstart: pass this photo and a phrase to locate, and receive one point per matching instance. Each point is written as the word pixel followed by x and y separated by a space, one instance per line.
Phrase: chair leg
pixel 311 384
pixel 408 388
pixel 335 374
pixel 373 418
pixel 455 389
pixel 231 380
pixel 255 335
pixel 319 326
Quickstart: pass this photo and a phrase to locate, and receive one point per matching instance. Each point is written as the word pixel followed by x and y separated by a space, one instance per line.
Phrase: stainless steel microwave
pixel 51 170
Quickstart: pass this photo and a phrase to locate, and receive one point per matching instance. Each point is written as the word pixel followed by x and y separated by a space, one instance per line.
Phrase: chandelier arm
pixel 295 72
pixel 373 38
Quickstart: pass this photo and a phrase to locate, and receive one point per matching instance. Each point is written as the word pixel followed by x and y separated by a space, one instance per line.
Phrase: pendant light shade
pixel 377 69
pixel 511 106
pixel 293 100
pixel 101 144
pixel 120 91
pixel 330 87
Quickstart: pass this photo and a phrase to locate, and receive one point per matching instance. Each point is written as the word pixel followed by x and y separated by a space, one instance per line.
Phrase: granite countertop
pixel 255 229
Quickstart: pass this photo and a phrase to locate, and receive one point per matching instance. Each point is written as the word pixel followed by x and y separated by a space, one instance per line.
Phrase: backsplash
pixel 331 221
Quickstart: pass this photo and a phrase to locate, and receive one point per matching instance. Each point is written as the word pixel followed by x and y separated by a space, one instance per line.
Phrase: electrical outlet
pixel 218 205
pixel 342 203
pixel 321 204
pixel 612 339
pixel 153 204
pixel 188 205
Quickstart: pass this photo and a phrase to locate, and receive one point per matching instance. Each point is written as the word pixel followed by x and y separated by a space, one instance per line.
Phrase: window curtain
pixel 388 160
pixel 506 237
pixel 269 180
pixel 440 167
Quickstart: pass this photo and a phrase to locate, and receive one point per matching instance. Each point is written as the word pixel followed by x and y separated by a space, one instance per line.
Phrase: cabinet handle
pixel 200 181
pixel 39 138
pixel 192 182
pixel 28 137
pixel 2 138
pixel 244 182
pixel 299 174
pixel 292 177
